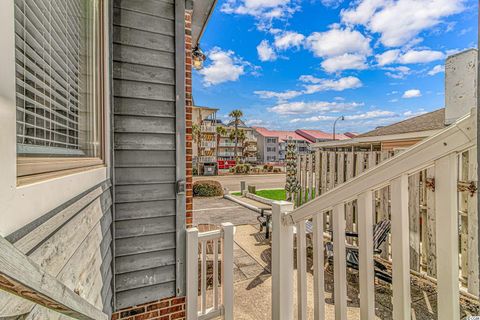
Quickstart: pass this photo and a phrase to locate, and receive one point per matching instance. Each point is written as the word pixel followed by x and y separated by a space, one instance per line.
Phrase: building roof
pixel 281 135
pixel 314 135
pixel 202 10
pixel 429 121
pixel 351 134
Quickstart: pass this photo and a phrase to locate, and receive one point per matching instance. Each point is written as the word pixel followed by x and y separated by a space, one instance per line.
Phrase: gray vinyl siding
pixel 73 243
pixel 144 150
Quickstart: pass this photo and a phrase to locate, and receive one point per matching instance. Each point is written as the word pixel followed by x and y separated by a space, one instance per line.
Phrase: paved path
pixel 217 210
pixel 232 182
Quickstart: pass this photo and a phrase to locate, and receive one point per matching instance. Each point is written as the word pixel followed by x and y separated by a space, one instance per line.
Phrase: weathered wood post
pixel 243 186
pixel 282 262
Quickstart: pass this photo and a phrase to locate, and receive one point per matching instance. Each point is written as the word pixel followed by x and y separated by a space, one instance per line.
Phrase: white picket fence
pixel 442 152
pixel 204 249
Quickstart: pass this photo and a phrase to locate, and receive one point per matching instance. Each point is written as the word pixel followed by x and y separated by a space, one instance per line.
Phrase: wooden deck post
pixel 447 237
pixel 318 271
pixel 400 249
pixel 282 262
pixel 339 262
pixel 365 253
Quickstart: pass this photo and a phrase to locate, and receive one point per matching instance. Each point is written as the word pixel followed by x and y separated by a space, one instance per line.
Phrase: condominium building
pixel 272 144
pixel 214 149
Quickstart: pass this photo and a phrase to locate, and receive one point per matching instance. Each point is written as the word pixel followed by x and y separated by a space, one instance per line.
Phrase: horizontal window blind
pixel 57 47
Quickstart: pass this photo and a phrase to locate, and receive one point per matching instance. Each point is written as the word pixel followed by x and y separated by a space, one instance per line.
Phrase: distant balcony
pixel 226 144
pixel 208 129
pixel 208 144
pixel 203 159
pixel 226 154
pixel 251 159
pixel 251 148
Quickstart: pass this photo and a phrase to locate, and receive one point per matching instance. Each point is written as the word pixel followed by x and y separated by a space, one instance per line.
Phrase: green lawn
pixel 275 194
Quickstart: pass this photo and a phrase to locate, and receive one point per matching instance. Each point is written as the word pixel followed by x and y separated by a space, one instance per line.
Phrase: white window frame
pixel 22 204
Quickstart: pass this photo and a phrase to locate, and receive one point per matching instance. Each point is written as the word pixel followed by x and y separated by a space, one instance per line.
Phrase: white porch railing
pixel 441 152
pixel 221 293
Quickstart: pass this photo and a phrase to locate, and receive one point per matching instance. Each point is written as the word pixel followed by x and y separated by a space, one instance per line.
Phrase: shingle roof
pixel 429 121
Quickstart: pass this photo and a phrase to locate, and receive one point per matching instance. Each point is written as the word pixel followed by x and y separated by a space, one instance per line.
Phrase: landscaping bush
pixel 207 188
pixel 270 168
pixel 277 170
pixel 242 168
pixel 195 171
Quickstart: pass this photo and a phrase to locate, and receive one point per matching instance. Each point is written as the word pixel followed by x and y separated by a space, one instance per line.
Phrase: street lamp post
pixel 335 123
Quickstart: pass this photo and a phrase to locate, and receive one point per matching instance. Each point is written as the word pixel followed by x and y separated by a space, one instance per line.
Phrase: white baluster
pixel 203 283
pixel 339 262
pixel 366 269
pixel 318 271
pixel 192 273
pixel 447 237
pixel 227 270
pixel 282 262
pixel 215 274
pixel 400 248
pixel 301 271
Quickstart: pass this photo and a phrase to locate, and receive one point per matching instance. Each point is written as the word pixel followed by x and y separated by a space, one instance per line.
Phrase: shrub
pixel 277 170
pixel 195 172
pixel 270 168
pixel 207 188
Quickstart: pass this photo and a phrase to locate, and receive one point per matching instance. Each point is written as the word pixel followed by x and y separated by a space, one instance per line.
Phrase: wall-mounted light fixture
pixel 198 58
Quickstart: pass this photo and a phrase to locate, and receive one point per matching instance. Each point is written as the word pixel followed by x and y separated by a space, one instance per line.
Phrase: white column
pixel 227 272
pixel 447 237
pixel 282 262
pixel 400 249
pixel 339 262
pixel 366 269
pixel 318 271
pixel 301 271
pixel 192 273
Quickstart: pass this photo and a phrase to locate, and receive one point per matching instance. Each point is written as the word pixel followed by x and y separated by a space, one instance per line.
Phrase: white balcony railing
pixel 251 159
pixel 440 151
pixel 213 248
pixel 203 159
pixel 208 144
pixel 226 154
pixel 227 144
pixel 206 128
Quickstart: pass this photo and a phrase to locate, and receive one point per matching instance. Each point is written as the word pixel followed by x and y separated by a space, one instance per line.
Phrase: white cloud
pixel 388 57
pixel 370 115
pixel 399 72
pixel 313 119
pixel 336 42
pixel 311 107
pixel 398 22
pixel 288 40
pixel 437 69
pixel 266 52
pixel 281 96
pixel 312 85
pixel 254 122
pixel 412 93
pixel 420 56
pixel 355 117
pixel 263 10
pixel 331 3
pixel 317 84
pixel 411 113
pixel 344 62
pixel 224 67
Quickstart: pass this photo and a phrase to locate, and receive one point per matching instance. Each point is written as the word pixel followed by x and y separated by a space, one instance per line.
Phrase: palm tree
pixel 197 137
pixel 241 138
pixel 221 131
pixel 236 116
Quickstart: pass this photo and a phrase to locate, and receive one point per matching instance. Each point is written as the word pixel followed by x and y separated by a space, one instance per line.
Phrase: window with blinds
pixel 58 77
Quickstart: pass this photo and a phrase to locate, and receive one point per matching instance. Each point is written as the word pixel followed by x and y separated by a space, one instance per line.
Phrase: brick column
pixel 165 309
pixel 188 117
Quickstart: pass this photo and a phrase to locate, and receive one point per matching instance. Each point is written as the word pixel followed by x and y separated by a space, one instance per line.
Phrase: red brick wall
pixel 165 309
pixel 188 116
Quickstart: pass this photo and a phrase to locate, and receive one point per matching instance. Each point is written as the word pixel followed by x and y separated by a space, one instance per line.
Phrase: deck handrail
pixel 441 152
pixel 459 136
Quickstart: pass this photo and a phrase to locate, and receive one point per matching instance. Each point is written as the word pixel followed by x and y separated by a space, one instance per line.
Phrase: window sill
pixel 40 177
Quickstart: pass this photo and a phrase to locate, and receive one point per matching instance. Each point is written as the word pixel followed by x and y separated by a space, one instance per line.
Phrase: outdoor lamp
pixel 335 123
pixel 198 58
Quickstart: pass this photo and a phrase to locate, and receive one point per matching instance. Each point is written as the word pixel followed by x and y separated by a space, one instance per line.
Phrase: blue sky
pixel 291 64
